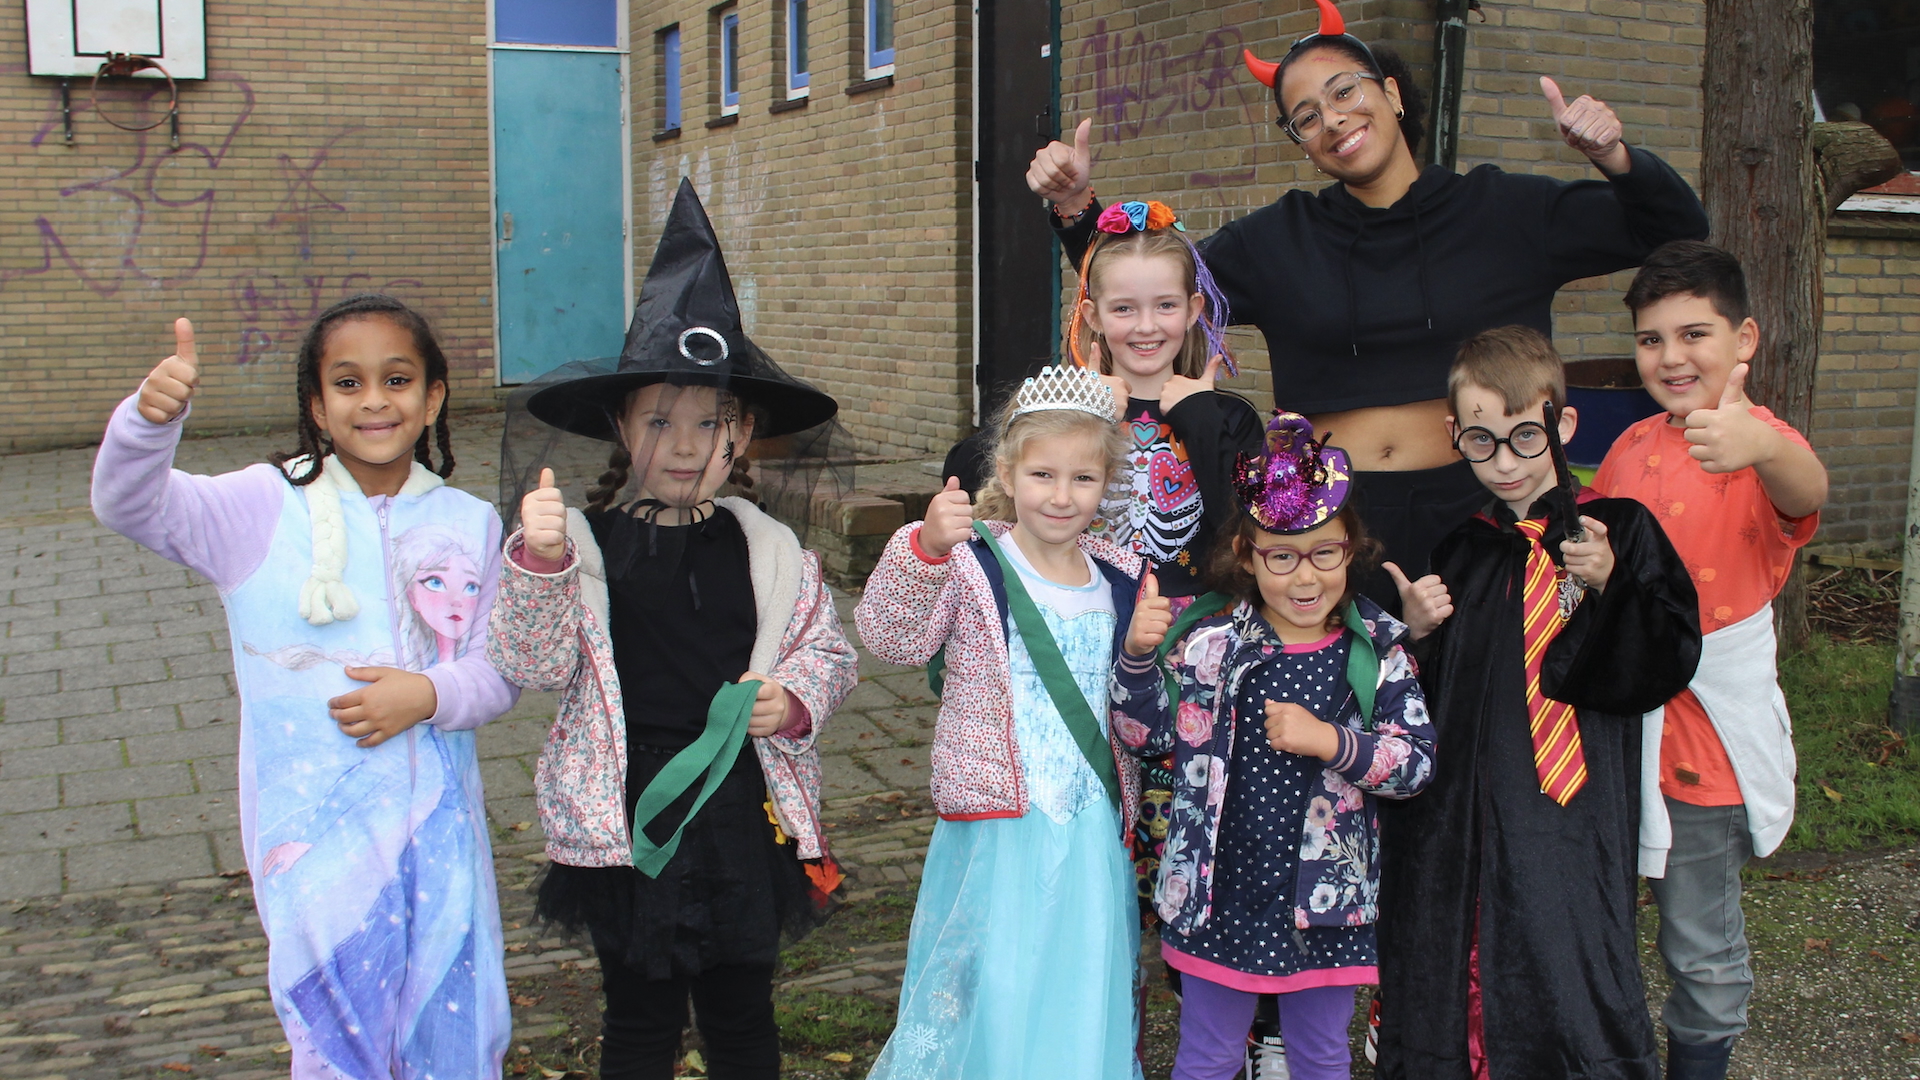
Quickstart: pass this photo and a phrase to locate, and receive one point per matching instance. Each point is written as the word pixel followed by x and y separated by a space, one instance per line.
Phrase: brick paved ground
pixel 130 947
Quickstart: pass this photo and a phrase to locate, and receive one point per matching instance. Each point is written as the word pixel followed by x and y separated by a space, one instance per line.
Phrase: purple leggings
pixel 1214 1021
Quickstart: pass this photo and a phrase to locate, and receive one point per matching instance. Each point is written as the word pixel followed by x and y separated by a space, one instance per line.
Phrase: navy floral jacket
pixel 1390 756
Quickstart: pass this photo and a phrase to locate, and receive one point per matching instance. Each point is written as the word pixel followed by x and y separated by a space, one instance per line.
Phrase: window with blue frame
pixel 729 61
pixel 879 38
pixel 797 69
pixel 669 51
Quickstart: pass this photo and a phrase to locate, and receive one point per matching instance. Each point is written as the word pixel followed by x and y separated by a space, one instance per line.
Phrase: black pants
pixel 733 1005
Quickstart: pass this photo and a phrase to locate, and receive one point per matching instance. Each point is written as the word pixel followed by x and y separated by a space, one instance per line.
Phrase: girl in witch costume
pixel 362 818
pixel 1363 288
pixel 698 652
pixel 1021 962
pixel 1289 705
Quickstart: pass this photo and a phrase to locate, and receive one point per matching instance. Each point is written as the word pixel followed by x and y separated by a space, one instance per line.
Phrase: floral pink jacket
pixel 912 608
pixel 549 633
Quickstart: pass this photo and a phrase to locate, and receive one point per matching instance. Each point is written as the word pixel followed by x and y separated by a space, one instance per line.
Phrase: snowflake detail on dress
pixel 917 1040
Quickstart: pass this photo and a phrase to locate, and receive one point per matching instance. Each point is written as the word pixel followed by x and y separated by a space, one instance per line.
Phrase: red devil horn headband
pixel 1331 25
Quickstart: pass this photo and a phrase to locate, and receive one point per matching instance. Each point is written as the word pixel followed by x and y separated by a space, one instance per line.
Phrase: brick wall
pixel 331 150
pixel 845 220
pixel 1864 397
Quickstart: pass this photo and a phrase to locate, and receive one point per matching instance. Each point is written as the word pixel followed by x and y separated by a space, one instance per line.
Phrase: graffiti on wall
pixel 152 219
pixel 1140 87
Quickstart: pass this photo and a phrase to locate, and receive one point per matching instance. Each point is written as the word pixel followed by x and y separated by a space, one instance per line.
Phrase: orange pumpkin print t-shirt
pixel 1738 550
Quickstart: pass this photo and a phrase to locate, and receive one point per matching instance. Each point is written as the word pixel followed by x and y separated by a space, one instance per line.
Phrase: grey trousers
pixel 1703 932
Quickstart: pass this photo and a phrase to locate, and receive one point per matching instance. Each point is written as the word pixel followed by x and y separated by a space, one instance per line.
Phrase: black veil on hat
pixel 686 332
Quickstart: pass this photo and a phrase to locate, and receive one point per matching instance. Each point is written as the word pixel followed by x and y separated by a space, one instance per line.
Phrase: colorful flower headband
pixel 1298 484
pixel 1122 218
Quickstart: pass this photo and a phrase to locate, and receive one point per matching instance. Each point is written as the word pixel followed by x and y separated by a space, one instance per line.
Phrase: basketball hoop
pixel 125 65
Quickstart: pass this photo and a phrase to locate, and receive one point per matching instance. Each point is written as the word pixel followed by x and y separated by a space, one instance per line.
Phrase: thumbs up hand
pixel 949 520
pixel 1728 437
pixel 1063 174
pixel 1424 604
pixel 170 385
pixel 1179 388
pixel 1588 126
pixel 543 521
pixel 1152 615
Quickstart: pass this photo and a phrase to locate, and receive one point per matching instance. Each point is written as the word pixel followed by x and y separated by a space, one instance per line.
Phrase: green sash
pixel 1363 664
pixel 711 755
pixel 1053 672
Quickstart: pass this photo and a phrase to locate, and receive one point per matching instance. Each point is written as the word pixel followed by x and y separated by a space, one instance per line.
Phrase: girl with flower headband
pixel 1022 958
pixel 1149 319
pixel 1289 705
pixel 1364 288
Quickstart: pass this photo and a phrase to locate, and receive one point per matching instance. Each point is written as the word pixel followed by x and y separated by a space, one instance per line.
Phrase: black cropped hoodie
pixel 1365 307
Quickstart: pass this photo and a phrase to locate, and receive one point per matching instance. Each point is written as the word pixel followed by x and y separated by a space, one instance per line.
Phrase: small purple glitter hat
pixel 1298 484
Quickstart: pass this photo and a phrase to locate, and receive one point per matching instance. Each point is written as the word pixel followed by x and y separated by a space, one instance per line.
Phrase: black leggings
pixel 733 1005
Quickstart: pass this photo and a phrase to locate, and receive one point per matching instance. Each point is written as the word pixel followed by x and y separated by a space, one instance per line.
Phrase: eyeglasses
pixel 1344 94
pixel 1477 444
pixel 1281 560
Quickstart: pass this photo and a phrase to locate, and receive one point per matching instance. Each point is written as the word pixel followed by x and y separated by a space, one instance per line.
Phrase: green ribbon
pixel 1053 672
pixel 711 755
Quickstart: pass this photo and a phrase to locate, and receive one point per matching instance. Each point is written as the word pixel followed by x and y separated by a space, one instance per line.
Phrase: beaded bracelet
pixel 1064 219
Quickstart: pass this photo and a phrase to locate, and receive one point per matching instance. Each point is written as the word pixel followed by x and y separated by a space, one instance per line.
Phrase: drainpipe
pixel 1904 703
pixel 1449 79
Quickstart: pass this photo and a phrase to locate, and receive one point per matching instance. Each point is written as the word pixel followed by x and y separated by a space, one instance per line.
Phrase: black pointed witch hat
pixel 686 331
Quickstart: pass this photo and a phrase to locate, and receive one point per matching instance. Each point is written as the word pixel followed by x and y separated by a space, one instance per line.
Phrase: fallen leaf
pixel 551 1074
pixel 1909 1038
pixel 283 1048
pixel 1820 943
pixel 211 1050
pixel 1878 955
pixel 521 826
pixel 177 1066
pixel 1831 794
pixel 525 1001
pixel 518 946
pixel 838 1055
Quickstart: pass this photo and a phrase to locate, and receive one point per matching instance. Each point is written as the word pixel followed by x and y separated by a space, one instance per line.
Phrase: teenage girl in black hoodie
pixel 1365 288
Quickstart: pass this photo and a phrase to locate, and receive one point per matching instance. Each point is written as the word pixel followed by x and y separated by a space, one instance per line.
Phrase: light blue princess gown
pixel 1025 936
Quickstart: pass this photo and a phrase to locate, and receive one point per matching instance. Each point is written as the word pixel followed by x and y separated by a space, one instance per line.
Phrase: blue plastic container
pixel 1609 398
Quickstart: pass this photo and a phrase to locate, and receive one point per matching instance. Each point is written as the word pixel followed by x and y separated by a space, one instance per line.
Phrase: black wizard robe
pixel 1553 887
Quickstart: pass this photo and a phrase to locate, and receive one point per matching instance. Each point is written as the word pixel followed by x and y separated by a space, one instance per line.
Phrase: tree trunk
pixel 1851 156
pixel 1764 197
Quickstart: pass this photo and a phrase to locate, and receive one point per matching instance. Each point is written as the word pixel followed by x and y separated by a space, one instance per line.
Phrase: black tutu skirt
pixel 733 893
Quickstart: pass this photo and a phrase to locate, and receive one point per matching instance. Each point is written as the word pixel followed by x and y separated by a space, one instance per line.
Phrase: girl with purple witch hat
pixel 1289 705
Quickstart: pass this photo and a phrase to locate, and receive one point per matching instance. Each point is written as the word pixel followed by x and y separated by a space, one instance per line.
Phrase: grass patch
pixel 1859 781
pixel 814 1022
pixel 868 921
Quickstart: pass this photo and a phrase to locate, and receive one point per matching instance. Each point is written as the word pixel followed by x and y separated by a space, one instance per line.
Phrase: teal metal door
pixel 560 207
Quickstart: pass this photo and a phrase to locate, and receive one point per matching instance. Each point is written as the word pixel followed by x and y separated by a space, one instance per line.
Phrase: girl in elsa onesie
pixel 354 580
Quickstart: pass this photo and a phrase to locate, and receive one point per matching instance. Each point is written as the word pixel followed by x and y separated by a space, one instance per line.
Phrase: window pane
pixel 670 78
pixel 797 38
pixel 556 22
pixel 879 33
pixel 730 59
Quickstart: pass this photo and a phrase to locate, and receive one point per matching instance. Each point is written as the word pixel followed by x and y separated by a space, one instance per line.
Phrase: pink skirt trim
pixel 1367 975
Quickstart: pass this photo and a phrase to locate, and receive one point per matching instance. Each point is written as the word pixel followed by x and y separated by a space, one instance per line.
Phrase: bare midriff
pixel 1391 438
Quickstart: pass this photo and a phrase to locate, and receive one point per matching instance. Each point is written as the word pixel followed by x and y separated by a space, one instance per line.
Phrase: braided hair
pixel 314 444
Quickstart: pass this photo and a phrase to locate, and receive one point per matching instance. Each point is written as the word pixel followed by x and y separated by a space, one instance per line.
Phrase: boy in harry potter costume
pixel 1507 932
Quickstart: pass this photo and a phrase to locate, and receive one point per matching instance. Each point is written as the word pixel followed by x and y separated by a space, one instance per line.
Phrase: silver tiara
pixel 1065 387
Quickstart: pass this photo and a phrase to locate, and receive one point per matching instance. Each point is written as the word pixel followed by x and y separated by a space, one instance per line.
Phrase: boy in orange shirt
pixel 1738 492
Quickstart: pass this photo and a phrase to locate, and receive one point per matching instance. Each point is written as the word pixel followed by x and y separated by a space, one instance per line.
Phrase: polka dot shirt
pixel 1251 928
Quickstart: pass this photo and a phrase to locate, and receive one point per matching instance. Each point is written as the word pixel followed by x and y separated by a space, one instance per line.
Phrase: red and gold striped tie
pixel 1556 730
